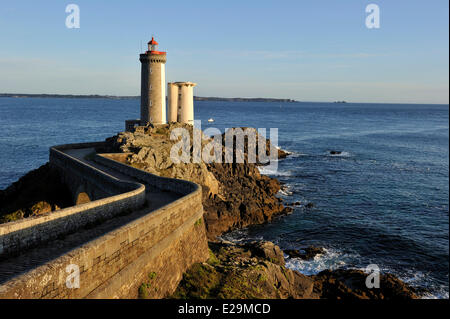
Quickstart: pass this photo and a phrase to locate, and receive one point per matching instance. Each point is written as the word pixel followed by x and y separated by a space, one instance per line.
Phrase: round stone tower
pixel 181 102
pixel 153 87
pixel 172 98
pixel 186 102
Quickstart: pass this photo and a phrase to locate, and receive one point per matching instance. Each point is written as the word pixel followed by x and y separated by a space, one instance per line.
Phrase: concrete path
pixel 38 256
pixel 155 197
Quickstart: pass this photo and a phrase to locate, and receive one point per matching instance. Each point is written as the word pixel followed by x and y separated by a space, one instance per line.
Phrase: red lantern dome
pixel 152 45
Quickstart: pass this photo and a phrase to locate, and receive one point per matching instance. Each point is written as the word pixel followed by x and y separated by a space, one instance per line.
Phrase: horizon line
pixel 290 100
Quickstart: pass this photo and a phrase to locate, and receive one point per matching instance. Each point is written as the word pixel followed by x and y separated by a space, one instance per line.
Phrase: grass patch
pixel 198 222
pixel 144 289
pixel 19 214
pixel 212 260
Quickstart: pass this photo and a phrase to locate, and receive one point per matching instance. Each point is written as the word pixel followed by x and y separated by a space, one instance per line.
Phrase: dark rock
pixel 40 208
pixel 247 271
pixel 293 253
pixel 287 210
pixel 312 251
pixel 309 252
pixel 282 154
pixel 335 152
pixel 295 204
pixel 38 192
pixel 244 272
pixel 267 250
pixel 285 189
pixel 351 284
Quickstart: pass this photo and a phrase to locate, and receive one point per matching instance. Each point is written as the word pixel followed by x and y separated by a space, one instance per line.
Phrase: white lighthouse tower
pixel 153 93
pixel 153 86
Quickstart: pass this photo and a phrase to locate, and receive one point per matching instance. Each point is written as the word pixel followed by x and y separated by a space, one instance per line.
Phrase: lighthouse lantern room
pixel 153 45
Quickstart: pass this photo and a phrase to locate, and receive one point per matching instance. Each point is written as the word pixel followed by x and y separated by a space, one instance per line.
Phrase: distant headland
pixel 97 96
pixel 242 99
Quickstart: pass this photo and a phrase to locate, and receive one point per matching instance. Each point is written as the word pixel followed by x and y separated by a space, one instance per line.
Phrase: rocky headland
pixel 235 195
pixel 257 270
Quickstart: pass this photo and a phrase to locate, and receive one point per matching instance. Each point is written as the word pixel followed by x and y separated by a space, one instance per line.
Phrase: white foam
pixel 240 236
pixel 268 170
pixel 341 154
pixel 297 154
pixel 331 259
pixel 285 190
pixel 441 293
pixel 416 278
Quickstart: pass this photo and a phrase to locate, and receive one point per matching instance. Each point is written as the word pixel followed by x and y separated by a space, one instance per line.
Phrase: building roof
pixel 153 42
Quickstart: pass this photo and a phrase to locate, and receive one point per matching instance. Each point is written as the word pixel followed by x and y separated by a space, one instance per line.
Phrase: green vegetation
pixel 198 222
pixel 212 260
pixel 146 288
pixel 143 291
pixel 200 282
pixel 222 277
pixel 18 214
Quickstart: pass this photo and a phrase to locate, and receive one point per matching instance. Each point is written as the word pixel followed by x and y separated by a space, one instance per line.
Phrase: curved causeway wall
pixel 153 242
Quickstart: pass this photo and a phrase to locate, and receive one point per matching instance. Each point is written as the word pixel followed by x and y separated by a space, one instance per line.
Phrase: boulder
pixel 287 210
pixel 40 208
pixel 308 254
pixel 267 250
pixel 295 204
pixel 35 193
pixel 309 205
pixel 244 272
pixel 351 284
pixel 236 271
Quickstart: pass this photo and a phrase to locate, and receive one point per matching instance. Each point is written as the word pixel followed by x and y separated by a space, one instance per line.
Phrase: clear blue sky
pixel 306 50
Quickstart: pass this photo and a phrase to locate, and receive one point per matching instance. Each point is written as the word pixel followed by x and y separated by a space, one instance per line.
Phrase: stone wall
pixel 164 242
pixel 163 183
pixel 29 232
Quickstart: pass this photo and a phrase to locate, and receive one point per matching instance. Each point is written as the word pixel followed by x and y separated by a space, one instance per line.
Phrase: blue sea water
pixel 384 200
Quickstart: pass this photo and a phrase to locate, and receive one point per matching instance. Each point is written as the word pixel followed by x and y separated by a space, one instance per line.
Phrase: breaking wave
pixel 269 170
pixel 331 259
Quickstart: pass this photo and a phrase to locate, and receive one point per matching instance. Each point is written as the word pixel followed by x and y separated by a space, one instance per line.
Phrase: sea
pixel 382 199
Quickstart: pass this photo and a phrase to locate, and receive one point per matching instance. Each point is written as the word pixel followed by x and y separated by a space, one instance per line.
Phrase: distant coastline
pixel 96 96
pixel 243 99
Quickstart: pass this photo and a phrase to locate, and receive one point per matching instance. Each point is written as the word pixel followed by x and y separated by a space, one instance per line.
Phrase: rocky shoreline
pixel 257 270
pixel 235 196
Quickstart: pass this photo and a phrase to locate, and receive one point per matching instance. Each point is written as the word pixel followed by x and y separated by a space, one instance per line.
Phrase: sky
pixel 307 50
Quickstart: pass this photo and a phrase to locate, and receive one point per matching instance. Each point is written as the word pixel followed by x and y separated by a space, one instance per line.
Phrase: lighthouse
pixel 153 93
pixel 153 78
